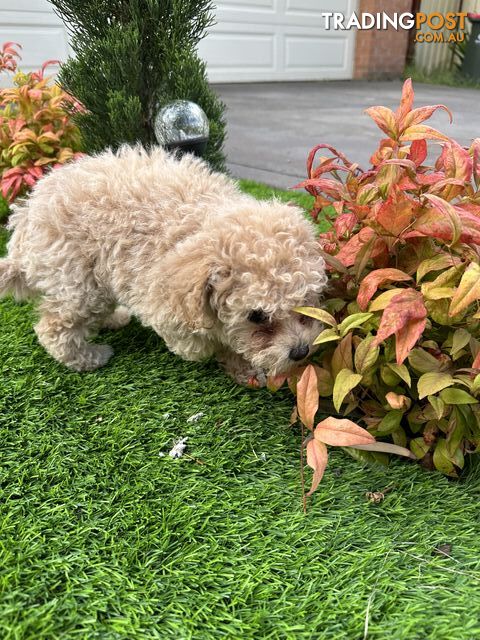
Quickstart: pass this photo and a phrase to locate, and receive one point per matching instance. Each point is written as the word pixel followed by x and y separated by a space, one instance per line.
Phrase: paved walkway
pixel 272 126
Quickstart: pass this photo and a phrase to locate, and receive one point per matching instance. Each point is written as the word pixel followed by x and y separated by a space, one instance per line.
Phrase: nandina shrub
pixel 36 132
pixel 400 351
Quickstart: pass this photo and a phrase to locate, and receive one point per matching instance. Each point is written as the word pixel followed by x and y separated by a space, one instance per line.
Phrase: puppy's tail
pixel 11 279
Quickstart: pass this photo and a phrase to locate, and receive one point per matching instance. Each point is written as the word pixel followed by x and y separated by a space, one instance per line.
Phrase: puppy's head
pixel 247 274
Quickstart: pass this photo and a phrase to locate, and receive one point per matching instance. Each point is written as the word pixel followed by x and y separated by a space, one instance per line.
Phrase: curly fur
pixel 173 243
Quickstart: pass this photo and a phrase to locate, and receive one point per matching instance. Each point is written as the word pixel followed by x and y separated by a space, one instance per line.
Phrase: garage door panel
pixel 312 52
pixel 316 7
pixel 301 47
pixel 28 5
pixel 248 5
pixel 246 50
pixel 47 39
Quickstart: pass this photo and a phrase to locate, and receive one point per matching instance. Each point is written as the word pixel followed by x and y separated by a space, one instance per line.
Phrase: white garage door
pixel 253 40
pixel 261 40
pixel 34 25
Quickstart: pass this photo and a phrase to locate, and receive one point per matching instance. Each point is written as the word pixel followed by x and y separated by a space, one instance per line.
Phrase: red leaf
pixel 307 396
pixel 373 280
pixel 418 152
pixel 407 337
pixel 333 188
pixel 345 224
pixel 405 316
pixel 311 156
pixel 317 459
pixel 342 433
pixel 350 249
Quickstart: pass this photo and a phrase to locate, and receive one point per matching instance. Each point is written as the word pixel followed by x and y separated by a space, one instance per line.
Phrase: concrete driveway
pixel 273 126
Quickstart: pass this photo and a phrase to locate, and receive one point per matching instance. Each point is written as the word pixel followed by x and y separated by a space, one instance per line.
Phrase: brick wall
pixel 381 53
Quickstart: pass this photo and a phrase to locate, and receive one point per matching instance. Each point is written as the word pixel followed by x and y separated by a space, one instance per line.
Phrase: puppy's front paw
pixel 242 371
pixel 257 381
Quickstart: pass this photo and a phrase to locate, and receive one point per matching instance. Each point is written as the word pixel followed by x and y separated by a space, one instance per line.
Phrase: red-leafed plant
pixel 36 132
pixel 401 349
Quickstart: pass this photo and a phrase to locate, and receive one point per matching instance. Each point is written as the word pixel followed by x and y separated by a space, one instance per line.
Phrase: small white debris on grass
pixel 166 416
pixel 195 417
pixel 179 448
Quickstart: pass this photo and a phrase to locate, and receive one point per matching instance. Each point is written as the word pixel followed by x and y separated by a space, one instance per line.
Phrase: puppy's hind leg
pixel 119 318
pixel 63 330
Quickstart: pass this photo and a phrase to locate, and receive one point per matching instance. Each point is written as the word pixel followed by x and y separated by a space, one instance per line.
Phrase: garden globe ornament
pixel 183 126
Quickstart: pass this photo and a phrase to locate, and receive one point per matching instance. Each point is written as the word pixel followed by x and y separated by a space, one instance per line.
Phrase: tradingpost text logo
pixel 443 27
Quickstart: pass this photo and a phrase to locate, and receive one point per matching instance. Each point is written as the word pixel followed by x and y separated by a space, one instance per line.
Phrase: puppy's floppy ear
pixel 192 272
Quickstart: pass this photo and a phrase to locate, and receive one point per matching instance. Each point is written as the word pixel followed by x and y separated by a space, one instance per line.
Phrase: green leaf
pixel 384 299
pixel 423 362
pixel 455 436
pixel 401 371
pixel 437 263
pixel 438 405
pixel 441 458
pixel 419 447
pixel 318 314
pixel 460 339
pixel 345 381
pixel 327 335
pixel 431 383
pixel 390 422
pixel 353 321
pixel 387 447
pixel 366 355
pixel 457 396
pixel 476 384
pixel 368 456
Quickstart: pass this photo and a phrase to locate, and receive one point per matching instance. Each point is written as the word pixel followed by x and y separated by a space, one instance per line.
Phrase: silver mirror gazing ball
pixel 182 125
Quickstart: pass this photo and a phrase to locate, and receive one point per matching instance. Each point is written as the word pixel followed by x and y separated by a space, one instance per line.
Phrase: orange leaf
pixel 397 401
pixel 342 433
pixel 385 119
pixel 405 317
pixel 422 132
pixel 406 102
pixel 307 396
pixel 421 114
pixel 442 221
pixel 317 459
pixel 375 279
pixel 397 212
pixel 456 162
pixel 275 382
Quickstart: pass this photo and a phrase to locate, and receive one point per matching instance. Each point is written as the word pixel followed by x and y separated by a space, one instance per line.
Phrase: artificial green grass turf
pixel 100 538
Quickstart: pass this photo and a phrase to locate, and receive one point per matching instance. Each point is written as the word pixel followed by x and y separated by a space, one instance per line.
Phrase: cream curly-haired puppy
pixel 212 271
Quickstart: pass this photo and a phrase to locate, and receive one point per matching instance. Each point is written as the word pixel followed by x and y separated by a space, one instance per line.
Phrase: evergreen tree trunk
pixel 131 58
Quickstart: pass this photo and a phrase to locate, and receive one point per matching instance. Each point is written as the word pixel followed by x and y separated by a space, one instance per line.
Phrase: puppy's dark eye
pixel 258 316
pixel 305 320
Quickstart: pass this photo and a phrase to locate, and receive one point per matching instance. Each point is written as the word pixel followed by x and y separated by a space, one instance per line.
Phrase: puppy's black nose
pixel 299 353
